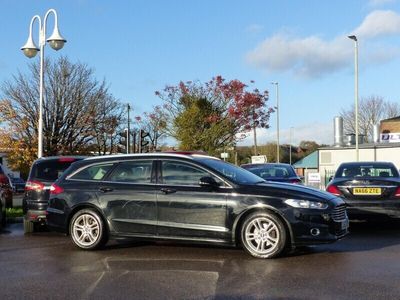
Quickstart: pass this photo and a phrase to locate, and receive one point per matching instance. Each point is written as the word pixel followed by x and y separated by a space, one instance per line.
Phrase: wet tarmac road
pixel 365 265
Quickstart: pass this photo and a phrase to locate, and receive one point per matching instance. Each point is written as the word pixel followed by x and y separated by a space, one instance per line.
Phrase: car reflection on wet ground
pixel 47 265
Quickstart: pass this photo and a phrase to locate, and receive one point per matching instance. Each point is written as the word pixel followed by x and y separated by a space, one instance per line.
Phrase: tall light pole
pixel 354 38
pixel 30 49
pixel 277 120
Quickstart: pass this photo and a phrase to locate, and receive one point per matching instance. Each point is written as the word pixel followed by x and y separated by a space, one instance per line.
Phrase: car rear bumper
pixel 37 216
pixel 389 208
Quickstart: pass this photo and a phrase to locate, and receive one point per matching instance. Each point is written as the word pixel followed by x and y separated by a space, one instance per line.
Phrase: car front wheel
pixel 87 230
pixel 263 235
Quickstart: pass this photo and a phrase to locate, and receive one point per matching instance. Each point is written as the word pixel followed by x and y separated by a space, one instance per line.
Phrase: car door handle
pixel 168 191
pixel 105 189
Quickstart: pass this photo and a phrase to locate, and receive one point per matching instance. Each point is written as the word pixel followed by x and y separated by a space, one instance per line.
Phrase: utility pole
pixel 128 134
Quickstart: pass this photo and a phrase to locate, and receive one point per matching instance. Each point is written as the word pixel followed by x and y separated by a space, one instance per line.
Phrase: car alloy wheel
pixel 263 235
pixel 87 230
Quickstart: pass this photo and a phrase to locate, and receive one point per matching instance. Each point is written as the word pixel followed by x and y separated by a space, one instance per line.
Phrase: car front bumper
pixel 311 227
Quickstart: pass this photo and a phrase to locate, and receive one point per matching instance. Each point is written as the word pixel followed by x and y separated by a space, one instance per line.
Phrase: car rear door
pixel 128 197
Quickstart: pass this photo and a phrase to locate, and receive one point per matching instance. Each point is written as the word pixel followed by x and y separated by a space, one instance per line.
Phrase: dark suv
pixel 43 173
pixel 194 198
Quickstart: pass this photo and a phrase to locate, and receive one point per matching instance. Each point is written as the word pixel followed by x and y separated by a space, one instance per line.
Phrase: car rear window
pixel 50 170
pixel 367 170
pixel 96 172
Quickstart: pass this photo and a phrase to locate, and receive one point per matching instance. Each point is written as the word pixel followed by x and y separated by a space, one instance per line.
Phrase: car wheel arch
pixel 87 206
pixel 242 217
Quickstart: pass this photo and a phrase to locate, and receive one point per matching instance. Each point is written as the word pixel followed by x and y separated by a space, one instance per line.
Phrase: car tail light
pixel 55 189
pixel 397 192
pixel 34 186
pixel 333 189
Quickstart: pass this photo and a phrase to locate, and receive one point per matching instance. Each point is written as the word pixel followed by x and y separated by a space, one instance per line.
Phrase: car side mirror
pixel 330 178
pixel 209 182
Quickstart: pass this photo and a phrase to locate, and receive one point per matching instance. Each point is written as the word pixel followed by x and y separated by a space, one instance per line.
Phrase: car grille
pixel 339 213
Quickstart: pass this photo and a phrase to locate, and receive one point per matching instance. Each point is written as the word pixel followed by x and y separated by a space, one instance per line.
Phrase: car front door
pixel 186 209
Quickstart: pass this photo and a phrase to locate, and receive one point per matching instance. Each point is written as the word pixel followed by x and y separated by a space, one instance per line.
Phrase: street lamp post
pixel 30 49
pixel 354 38
pixel 277 120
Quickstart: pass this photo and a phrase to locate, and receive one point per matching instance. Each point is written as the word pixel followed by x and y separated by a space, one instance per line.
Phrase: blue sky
pixel 141 46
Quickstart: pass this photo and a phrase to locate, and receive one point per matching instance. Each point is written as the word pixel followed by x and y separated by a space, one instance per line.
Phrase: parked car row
pixel 198 198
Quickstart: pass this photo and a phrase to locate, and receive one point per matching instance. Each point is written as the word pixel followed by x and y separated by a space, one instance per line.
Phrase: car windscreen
pixel 49 170
pixel 366 170
pixel 232 172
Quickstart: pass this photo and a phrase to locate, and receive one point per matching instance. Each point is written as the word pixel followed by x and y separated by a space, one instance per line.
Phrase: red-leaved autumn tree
pixel 213 115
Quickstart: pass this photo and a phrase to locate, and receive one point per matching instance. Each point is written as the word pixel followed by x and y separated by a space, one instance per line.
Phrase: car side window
pixel 96 172
pixel 177 173
pixel 133 172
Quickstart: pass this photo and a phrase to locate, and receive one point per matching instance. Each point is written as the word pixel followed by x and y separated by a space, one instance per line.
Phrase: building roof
pixel 392 119
pixel 308 162
pixel 364 146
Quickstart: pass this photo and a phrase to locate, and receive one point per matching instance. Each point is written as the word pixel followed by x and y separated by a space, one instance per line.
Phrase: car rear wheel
pixel 87 230
pixel 263 235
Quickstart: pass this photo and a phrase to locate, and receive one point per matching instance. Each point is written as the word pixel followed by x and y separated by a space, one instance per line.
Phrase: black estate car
pixel 44 171
pixel 193 198
pixel 370 189
pixel 274 172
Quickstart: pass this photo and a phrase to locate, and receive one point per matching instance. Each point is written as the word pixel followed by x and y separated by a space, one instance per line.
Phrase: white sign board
pixel 259 159
pixel 390 137
pixel 224 155
pixel 314 177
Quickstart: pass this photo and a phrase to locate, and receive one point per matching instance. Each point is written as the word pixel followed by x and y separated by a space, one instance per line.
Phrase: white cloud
pixel 307 57
pixel 313 56
pixel 379 23
pixel 322 133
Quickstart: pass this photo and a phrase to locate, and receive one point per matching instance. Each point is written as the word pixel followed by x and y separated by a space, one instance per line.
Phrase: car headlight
pixel 306 204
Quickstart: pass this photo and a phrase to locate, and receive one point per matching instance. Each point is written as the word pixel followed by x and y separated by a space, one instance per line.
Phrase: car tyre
pixel 263 235
pixel 29 227
pixel 87 230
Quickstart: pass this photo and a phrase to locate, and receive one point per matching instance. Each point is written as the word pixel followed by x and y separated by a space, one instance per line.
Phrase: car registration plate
pixel 367 191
